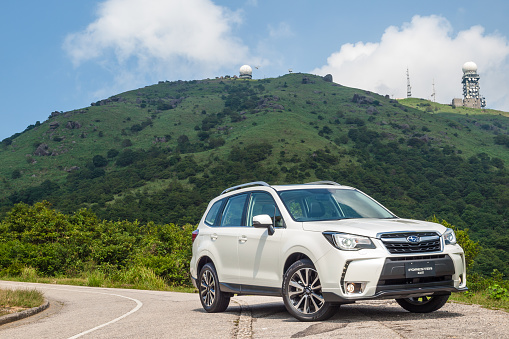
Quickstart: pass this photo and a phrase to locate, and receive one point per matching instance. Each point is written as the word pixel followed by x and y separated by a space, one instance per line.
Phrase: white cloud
pixel 428 48
pixel 147 40
pixel 282 30
pixel 253 3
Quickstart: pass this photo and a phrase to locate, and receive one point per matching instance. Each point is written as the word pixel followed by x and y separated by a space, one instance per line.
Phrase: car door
pixel 224 239
pixel 258 252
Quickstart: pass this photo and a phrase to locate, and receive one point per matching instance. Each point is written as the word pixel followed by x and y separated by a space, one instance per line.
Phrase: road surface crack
pixel 244 326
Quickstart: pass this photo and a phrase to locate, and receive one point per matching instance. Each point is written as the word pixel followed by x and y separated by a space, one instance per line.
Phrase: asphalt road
pixel 85 312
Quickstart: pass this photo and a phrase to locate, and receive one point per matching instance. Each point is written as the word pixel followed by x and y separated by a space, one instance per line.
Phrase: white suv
pixel 320 245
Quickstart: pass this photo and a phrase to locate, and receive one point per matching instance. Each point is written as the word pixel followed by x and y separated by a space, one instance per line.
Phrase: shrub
pixel 39 240
pixel 99 161
pixel 126 143
pixel 16 174
pixel 126 158
pixel 497 292
pixel 112 153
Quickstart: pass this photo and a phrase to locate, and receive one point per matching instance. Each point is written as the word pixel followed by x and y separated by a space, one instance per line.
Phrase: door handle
pixel 242 239
pixel 213 236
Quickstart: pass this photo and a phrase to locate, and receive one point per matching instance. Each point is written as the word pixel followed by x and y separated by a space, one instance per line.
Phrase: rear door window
pixel 211 217
pixel 233 214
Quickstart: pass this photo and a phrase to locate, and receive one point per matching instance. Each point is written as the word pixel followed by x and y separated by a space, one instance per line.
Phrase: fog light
pixel 461 279
pixel 355 287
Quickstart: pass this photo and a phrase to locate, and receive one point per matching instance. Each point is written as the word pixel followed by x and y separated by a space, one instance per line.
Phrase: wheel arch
pixel 202 262
pixel 293 258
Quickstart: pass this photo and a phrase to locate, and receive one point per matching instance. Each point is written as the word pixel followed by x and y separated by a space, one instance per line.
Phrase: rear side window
pixel 234 210
pixel 213 212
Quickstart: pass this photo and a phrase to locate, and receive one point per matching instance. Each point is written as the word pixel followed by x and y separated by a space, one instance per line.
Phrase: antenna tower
pixel 433 94
pixel 408 87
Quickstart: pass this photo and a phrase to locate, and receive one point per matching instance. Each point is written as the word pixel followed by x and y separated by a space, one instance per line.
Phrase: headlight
pixel 348 242
pixel 449 237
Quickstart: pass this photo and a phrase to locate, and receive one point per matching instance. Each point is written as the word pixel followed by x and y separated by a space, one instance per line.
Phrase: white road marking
pixel 138 306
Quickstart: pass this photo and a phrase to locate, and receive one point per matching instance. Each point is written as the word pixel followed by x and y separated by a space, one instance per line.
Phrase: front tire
pixel 423 304
pixel 211 297
pixel 302 293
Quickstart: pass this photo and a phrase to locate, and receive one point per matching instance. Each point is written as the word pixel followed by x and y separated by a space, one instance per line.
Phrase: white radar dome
pixel 246 70
pixel 469 67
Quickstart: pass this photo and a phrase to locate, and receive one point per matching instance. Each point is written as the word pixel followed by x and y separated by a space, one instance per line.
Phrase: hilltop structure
pixel 246 72
pixel 471 89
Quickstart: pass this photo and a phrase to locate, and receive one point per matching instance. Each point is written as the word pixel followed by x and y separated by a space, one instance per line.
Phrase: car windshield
pixel 332 204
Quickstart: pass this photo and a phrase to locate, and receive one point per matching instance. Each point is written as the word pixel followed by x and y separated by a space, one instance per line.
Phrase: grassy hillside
pixel 160 153
pixel 142 116
pixel 479 126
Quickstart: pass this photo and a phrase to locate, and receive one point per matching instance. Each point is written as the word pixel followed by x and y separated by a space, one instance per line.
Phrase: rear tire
pixel 424 304
pixel 211 297
pixel 302 293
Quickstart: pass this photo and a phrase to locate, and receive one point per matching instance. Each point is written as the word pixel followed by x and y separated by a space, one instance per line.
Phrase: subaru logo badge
pixel 413 239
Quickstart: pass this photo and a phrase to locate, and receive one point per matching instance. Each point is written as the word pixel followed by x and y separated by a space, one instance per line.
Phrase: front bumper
pixel 379 275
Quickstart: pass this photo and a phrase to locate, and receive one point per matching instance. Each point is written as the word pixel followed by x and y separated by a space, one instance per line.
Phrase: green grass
pixel 481 298
pixel 18 300
pixel 435 107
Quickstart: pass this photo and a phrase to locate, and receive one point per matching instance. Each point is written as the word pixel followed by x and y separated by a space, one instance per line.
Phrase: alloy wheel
pixel 208 288
pixel 305 291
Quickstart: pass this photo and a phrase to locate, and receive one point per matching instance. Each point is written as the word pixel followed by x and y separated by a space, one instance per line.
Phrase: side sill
pixel 250 290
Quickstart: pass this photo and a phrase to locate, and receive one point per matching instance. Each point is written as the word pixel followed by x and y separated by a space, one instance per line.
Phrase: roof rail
pixel 323 183
pixel 254 183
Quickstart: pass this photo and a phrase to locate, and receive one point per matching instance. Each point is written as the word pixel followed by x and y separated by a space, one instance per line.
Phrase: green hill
pixel 160 153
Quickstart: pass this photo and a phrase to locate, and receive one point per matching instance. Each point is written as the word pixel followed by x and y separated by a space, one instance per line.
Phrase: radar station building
pixel 246 72
pixel 471 95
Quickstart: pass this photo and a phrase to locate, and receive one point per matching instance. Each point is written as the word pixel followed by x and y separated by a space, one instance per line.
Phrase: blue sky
pixel 63 55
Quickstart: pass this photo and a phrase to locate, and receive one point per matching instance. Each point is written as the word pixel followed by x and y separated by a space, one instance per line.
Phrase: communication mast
pixel 408 87
pixel 433 94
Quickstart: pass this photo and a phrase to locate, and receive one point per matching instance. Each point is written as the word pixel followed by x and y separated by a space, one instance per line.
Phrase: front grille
pixel 413 281
pixel 423 257
pixel 398 243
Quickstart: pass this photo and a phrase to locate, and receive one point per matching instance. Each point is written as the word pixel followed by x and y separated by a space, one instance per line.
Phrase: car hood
pixel 371 227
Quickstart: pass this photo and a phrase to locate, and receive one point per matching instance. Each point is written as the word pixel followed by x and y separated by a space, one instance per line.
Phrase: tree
pixel 99 161
pixel 112 153
pixel 16 174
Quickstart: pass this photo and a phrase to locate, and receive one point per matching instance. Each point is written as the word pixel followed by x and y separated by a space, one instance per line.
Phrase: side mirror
pixel 264 221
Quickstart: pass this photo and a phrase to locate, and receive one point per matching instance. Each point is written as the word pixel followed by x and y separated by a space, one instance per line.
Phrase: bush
pixel 126 158
pixel 37 240
pixel 99 161
pixel 112 153
pixel 126 143
pixel 497 292
pixel 16 174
